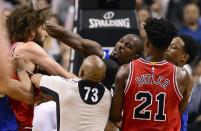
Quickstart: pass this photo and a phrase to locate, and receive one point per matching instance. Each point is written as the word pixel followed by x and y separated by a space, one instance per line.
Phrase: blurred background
pixel 74 15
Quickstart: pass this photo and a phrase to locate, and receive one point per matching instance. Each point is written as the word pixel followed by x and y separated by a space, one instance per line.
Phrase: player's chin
pixel 170 59
pixel 113 55
pixel 167 55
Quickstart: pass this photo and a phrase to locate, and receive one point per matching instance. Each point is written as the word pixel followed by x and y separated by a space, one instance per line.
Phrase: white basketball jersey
pixel 81 105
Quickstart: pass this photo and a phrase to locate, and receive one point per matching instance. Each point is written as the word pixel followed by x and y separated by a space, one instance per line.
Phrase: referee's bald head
pixel 92 69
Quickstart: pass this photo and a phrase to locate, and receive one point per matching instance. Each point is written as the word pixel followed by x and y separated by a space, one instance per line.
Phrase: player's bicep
pixel 38 56
pixel 15 91
pixel 185 87
pixel 118 99
pixel 92 48
pixel 48 64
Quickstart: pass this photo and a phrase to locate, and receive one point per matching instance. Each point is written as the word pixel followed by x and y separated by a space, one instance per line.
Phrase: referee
pixel 83 103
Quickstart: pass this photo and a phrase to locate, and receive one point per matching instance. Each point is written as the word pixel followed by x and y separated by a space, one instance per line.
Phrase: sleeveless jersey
pixel 23 112
pixel 151 97
pixel 111 71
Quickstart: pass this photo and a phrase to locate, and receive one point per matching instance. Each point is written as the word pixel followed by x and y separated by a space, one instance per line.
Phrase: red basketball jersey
pixel 151 97
pixel 23 112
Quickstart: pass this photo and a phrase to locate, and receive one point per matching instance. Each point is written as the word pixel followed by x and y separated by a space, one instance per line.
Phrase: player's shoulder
pixel 110 64
pixel 27 44
pixel 60 78
pixel 28 47
pixel 57 83
pixel 122 74
pixel 183 76
pixel 32 45
pixel 124 70
pixel 181 71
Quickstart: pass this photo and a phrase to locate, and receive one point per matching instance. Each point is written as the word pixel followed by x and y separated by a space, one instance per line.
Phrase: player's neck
pixel 180 65
pixel 155 58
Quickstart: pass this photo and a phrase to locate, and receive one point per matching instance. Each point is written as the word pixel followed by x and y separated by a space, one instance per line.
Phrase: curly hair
pixel 159 32
pixel 190 47
pixel 22 20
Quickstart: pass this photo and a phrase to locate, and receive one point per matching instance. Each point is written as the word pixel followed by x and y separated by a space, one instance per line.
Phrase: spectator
pixel 191 14
pixel 41 4
pixel 194 107
pixel 52 46
pixel 156 9
pixel 143 14
pixel 22 2
pixel 139 4
pixel 55 49
pixel 62 8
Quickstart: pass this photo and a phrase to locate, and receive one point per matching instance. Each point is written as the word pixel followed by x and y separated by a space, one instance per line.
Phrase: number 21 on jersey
pixel 145 97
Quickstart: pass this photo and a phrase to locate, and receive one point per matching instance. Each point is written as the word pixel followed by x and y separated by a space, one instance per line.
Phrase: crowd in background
pixel 185 14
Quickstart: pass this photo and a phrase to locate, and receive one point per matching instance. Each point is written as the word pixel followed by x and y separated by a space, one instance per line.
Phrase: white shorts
pixel 45 118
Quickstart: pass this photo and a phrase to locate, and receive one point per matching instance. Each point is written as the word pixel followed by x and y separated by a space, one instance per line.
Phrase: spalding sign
pixel 108 21
pixel 99 19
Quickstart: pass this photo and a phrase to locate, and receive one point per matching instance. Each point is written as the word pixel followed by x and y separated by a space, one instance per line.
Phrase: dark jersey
pixel 111 71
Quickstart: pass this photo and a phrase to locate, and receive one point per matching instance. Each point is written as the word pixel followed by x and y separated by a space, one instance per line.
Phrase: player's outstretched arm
pixel 118 99
pixel 38 56
pixel 185 87
pixel 4 61
pixel 75 41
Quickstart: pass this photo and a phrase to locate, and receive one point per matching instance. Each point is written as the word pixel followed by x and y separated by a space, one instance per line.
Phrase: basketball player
pixel 16 90
pixel 182 51
pixel 4 62
pixel 150 92
pixel 26 30
pixel 10 87
pixel 129 47
pixel 83 103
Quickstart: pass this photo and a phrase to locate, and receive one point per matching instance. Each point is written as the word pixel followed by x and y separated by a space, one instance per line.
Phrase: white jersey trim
pixel 13 48
pixel 176 84
pixel 129 78
pixel 12 53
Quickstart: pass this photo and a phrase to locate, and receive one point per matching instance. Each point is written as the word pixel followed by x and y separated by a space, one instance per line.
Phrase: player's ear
pixel 146 47
pixel 185 58
pixel 31 34
pixel 147 44
pixel 81 73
